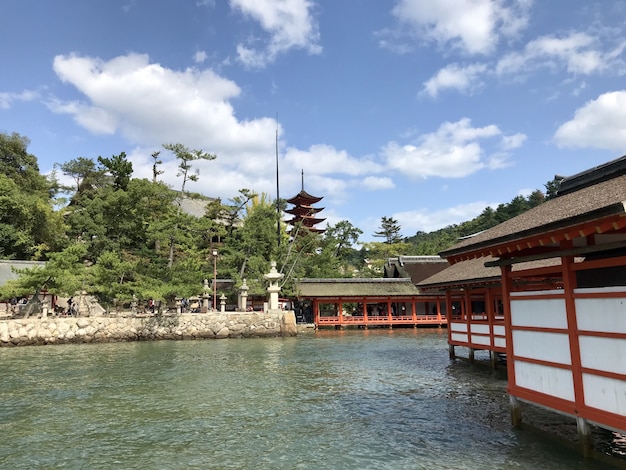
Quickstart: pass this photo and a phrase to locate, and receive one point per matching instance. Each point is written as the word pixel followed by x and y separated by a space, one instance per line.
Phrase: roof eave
pixel 608 211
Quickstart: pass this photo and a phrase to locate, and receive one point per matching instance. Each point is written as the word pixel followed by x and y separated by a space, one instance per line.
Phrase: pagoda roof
pixel 311 229
pixel 302 197
pixel 303 210
pixel 307 221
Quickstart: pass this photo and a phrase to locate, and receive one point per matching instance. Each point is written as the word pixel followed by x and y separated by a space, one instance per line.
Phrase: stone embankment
pixel 100 329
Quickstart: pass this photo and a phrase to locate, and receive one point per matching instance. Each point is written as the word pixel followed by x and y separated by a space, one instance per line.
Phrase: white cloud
pixel 598 124
pixel 149 103
pixel 7 99
pixel 428 221
pixel 510 142
pixel 474 26
pixel 199 57
pixel 453 151
pixel 464 79
pixel 374 183
pixel 289 23
pixel 578 52
pixel 324 159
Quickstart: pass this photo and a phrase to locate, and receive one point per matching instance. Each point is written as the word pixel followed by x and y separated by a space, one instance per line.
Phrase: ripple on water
pixel 349 400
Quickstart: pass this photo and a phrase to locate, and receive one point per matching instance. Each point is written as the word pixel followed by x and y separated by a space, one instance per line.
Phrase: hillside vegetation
pixel 120 238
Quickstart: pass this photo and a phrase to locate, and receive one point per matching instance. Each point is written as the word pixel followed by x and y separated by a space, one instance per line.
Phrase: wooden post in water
pixel 471 355
pixel 451 351
pixel 494 359
pixel 516 411
pixel 584 436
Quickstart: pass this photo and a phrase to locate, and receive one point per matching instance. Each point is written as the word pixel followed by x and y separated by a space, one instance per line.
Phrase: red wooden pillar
pixel 365 318
pixel 507 285
pixel 489 311
pixel 569 284
pixel 449 316
pixel 467 304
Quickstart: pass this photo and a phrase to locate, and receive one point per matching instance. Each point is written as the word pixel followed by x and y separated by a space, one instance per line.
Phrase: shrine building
pixel 547 289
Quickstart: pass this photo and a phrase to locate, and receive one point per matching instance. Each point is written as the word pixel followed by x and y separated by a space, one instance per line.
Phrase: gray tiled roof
pixel 195 207
pixel 6 271
pixel 475 271
pixel 350 287
pixel 415 267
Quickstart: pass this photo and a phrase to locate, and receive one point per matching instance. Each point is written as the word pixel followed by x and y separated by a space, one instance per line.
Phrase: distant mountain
pixel 432 243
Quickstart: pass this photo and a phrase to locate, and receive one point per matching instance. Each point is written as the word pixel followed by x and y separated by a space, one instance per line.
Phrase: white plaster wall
pixel 601 314
pixel 481 340
pixel 500 342
pixel 605 394
pixel 608 354
pixel 458 326
pixel 462 338
pixel 479 329
pixel 544 346
pixel 545 379
pixel 537 292
pixel 499 330
pixel 543 313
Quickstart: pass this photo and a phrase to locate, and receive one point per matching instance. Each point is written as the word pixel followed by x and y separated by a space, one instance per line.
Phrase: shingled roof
pixel 352 287
pixel 417 268
pixel 474 271
pixel 603 199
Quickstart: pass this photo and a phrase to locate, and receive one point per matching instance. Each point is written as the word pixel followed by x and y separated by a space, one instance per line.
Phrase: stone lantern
pixel 243 296
pixel 222 303
pixel 273 277
pixel 205 296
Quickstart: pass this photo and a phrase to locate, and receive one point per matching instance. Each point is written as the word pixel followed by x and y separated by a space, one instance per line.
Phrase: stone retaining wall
pixel 60 330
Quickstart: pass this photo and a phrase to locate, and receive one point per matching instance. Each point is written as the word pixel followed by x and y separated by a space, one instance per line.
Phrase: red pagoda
pixel 303 211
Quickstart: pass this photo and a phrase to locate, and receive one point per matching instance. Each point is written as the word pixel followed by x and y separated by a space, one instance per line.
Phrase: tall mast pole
pixel 277 190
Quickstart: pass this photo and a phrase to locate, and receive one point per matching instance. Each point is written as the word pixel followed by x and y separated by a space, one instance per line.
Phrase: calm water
pixel 374 399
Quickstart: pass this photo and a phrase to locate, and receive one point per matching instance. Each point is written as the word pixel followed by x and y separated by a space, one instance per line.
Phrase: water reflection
pixel 383 399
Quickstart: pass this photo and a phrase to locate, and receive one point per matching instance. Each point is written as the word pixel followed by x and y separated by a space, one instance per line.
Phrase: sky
pixel 426 111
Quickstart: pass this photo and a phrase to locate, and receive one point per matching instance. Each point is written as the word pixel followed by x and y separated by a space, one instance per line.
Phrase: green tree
pixel 185 159
pixel 120 168
pixel 552 186
pixel 155 166
pixel 19 165
pixel 29 228
pixel 247 252
pixel 83 171
pixel 389 230
pixel 64 273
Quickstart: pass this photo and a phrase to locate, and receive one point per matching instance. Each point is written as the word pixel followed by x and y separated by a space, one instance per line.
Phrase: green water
pixel 376 399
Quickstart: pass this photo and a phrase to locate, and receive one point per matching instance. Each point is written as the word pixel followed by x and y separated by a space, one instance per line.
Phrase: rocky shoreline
pixel 102 329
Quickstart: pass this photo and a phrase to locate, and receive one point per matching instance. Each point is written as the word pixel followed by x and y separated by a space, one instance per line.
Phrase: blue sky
pixel 426 111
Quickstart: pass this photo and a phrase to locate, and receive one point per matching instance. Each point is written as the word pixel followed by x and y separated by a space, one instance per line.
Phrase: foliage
pixel 434 242
pixel 29 228
pixel 120 168
pixel 123 238
pixel 389 230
